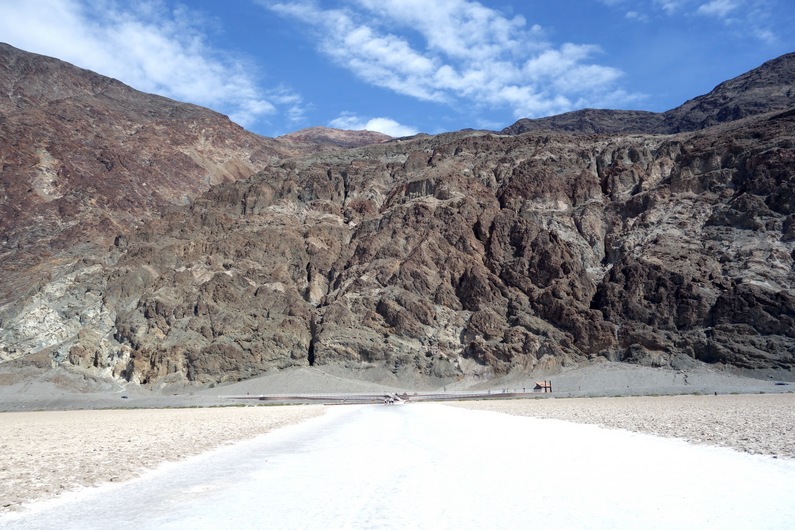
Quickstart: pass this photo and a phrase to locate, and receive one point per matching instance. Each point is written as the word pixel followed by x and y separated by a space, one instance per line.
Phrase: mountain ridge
pixel 767 88
pixel 466 254
pixel 86 158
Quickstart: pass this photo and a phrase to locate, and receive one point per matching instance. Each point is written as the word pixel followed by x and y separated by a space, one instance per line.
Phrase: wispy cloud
pixel 754 19
pixel 748 17
pixel 388 126
pixel 718 8
pixel 457 51
pixel 670 7
pixel 148 46
pixel 754 16
pixel 635 15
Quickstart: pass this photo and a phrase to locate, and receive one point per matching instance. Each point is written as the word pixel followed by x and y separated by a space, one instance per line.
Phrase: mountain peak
pixel 334 137
pixel 767 88
pixel 87 157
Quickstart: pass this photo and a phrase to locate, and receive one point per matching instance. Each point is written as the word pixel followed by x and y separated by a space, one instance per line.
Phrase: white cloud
pixel 143 44
pixel 381 59
pixel 765 35
pixel 669 6
pixel 390 127
pixel 455 51
pixel 641 9
pixel 746 17
pixel 634 15
pixel 717 8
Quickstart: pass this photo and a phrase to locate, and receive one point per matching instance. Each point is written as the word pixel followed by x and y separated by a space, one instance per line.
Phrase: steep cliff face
pixel 706 269
pixel 466 254
pixel 85 161
pixel 86 158
pixel 461 254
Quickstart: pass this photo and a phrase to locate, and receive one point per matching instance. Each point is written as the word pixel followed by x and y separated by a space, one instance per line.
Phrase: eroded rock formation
pixel 468 253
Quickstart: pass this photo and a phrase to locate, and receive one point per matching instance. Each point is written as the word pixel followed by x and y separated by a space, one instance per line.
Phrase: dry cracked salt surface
pixel 49 452
pixel 46 453
pixel 761 424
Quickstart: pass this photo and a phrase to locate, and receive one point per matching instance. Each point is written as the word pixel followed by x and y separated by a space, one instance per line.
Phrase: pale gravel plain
pixel 758 424
pixel 49 452
pixel 55 450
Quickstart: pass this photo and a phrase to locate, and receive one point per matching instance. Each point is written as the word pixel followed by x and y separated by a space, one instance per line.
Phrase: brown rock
pixel 461 254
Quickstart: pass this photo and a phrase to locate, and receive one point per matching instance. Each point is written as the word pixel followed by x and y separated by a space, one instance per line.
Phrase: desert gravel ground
pixel 757 424
pixel 48 452
pixel 53 450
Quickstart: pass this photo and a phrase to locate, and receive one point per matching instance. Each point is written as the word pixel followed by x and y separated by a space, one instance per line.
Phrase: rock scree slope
pixel 466 254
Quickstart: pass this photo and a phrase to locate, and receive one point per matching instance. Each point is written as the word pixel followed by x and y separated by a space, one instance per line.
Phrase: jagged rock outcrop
pixel 462 254
pixel 468 254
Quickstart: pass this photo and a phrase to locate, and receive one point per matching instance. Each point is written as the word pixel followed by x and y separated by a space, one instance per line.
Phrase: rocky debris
pixel 466 254
pixel 764 89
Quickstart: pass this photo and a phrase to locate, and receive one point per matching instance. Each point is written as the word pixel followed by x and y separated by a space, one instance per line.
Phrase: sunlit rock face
pixel 462 254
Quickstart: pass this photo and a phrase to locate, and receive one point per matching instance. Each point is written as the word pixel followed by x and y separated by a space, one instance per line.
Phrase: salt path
pixel 434 466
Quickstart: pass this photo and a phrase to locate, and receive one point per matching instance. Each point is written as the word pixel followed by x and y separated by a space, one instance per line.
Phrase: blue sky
pixel 407 66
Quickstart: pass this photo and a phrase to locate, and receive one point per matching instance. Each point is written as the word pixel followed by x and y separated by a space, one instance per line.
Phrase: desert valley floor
pixel 420 465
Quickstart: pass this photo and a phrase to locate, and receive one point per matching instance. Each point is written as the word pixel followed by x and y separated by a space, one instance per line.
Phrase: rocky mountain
pixel 86 158
pixel 467 254
pixel 327 138
pixel 592 121
pixel 764 89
